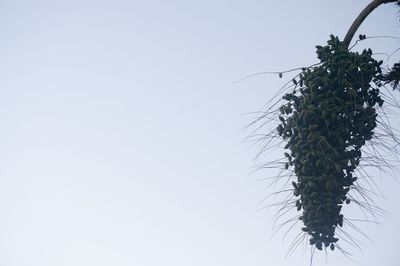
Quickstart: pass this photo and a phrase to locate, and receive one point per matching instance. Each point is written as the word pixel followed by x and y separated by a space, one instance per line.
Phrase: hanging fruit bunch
pixel 325 121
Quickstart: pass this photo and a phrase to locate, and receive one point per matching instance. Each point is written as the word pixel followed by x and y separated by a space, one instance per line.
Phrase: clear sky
pixel 121 129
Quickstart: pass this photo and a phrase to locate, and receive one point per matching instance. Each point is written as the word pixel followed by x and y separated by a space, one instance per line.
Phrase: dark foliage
pixel 393 76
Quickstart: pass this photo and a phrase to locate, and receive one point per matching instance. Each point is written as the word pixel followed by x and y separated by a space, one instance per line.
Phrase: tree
pixel 331 120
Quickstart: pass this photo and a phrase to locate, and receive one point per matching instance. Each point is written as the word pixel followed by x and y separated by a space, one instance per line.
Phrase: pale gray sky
pixel 120 129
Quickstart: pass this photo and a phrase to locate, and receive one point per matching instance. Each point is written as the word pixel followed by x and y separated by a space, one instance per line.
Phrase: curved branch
pixel 356 24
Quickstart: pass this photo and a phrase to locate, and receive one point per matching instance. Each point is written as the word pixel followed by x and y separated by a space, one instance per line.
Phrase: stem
pixel 356 24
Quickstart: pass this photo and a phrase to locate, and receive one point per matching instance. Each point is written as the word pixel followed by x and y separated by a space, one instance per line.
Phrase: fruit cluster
pixel 325 122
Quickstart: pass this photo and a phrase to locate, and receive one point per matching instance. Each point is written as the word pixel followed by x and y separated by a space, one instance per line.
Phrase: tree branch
pixel 356 24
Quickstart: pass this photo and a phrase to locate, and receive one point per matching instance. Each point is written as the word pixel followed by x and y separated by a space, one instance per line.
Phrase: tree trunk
pixel 356 24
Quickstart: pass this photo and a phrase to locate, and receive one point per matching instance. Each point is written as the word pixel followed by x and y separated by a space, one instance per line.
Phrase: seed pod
pixel 287 146
pixel 318 244
pixel 338 167
pixel 280 130
pixel 286 166
pixel 340 221
pixel 297 203
pixel 319 163
pixel 311 184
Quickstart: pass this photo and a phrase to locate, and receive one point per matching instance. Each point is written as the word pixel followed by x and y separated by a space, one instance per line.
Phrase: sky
pixel 122 128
